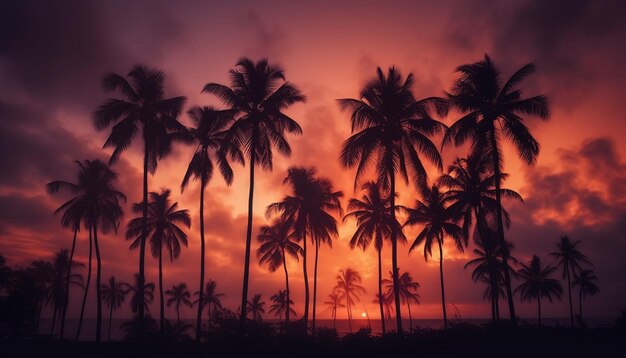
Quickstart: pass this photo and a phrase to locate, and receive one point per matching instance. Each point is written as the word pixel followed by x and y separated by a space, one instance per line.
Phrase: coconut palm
pixel 408 292
pixel 276 240
pixel 42 273
pixel 438 223
pixel 374 224
pixel 210 126
pixel 586 281
pixel 256 307
pixel 142 106
pixel 113 296
pixel 389 128
pixel 137 300
pixel 387 303
pixel 56 289
pixel 179 295
pixel 334 303
pixel 210 298
pixel 537 284
pixel 493 109
pixel 349 289
pixel 258 94
pixel 163 232
pixel 281 304
pixel 570 259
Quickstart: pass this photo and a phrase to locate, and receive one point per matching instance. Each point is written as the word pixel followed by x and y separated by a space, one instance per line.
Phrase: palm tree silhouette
pixel 42 273
pixel 390 127
pixel 438 223
pixel 113 296
pixel 387 302
pixel 281 304
pixel 58 280
pixel 210 297
pixel 143 105
pixel 179 295
pixel 374 224
pixel 258 94
pixel 570 259
pixel 349 288
pixel 137 300
pixel 492 110
pixel 586 281
pixel 163 232
pixel 276 240
pixel 408 292
pixel 209 131
pixel 333 303
pixel 537 284
pixel 256 307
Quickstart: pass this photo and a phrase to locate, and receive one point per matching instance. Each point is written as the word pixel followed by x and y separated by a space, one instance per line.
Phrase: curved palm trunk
pixel 286 288
pixel 443 293
pixel 380 290
pixel 349 312
pixel 54 319
pixel 335 318
pixel 67 285
pixel 500 227
pixel 142 247
pixel 408 304
pixel 394 254
pixel 317 249
pixel 98 286
pixel 209 319
pixel 202 249
pixel 569 294
pixel 82 309
pixel 161 301
pixel 246 269
pixel 305 317
pixel 110 321
pixel 539 308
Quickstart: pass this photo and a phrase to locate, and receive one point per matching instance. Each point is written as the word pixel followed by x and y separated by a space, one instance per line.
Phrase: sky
pixel 53 56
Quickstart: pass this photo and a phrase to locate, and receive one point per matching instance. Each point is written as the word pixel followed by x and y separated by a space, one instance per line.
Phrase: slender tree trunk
pixel 380 290
pixel 54 319
pixel 39 313
pixel 202 249
pixel 67 285
pixel 246 269
pixel 335 319
pixel 539 308
pixel 209 320
pixel 349 312
pixel 177 313
pixel 161 301
pixel 317 249
pixel 82 309
pixel 110 320
pixel 569 294
pixel 408 304
pixel 394 253
pixel 98 284
pixel 500 227
pixel 580 307
pixel 443 293
pixel 142 247
pixel 286 288
pixel 498 307
pixel 306 286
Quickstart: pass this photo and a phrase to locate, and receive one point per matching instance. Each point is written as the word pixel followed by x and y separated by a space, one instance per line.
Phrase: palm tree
pixel 163 232
pixel 137 300
pixel 492 110
pixel 143 105
pixel 387 302
pixel 257 307
pixel 210 297
pixel 42 273
pixel 334 303
pixel 113 296
pixel 374 224
pixel 276 240
pixel 258 94
pixel 209 131
pixel 390 127
pixel 281 304
pixel 349 288
pixel 58 279
pixel 570 259
pixel 408 292
pixel 537 284
pixel 438 223
pixel 179 295
pixel 586 281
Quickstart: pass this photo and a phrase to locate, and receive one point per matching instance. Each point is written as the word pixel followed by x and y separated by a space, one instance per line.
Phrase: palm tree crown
pixel 179 296
pixel 256 307
pixel 537 284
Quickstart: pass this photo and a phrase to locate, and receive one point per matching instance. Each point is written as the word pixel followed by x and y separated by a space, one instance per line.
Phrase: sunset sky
pixel 53 56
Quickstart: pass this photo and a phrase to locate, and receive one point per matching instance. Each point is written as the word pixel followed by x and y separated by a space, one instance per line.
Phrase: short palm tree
pixel 143 107
pixel 570 259
pixel 276 241
pixel 389 128
pixel 281 304
pixel 349 289
pixel 334 303
pixel 137 300
pixel 163 232
pixel 492 110
pixel 210 298
pixel 258 93
pixel 42 273
pixel 178 296
pixel 113 296
pixel 208 132
pixel 537 284
pixel 586 282
pixel 58 279
pixel 256 307
pixel 438 223
pixel 408 292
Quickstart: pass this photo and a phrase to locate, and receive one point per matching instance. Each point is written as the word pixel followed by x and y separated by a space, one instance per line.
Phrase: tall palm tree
pixel 349 288
pixel 209 131
pixel 334 303
pixel 210 297
pixel 586 281
pixel 276 240
pixel 570 259
pixel 113 296
pixel 537 284
pixel 438 223
pixel 258 94
pixel 256 307
pixel 374 224
pixel 137 300
pixel 179 295
pixel 163 232
pixel 58 280
pixel 281 304
pixel 493 109
pixel 143 106
pixel 408 292
pixel 389 128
